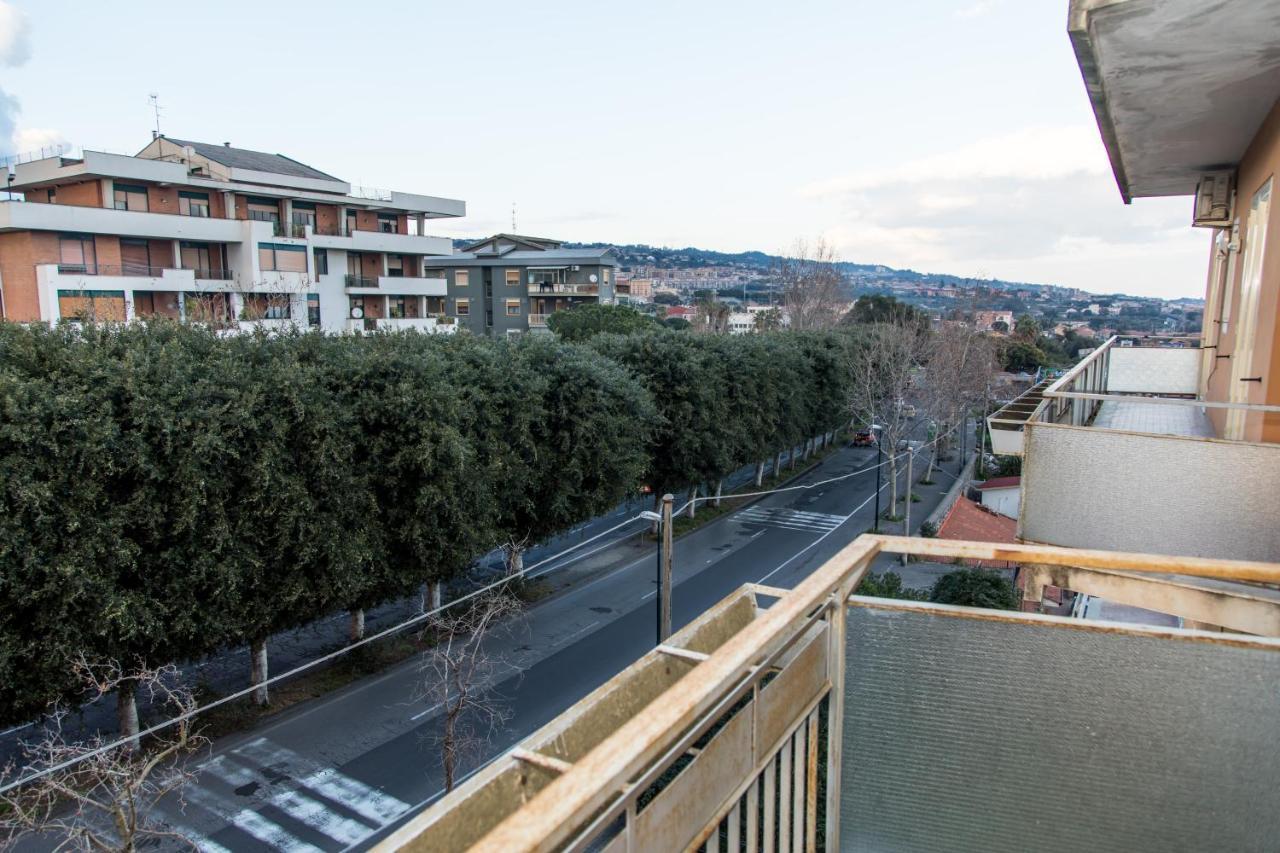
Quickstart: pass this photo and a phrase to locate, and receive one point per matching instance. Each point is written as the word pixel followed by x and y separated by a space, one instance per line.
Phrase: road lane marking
pixel 575 633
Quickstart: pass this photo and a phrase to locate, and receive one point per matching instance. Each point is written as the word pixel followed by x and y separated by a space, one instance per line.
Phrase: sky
pixel 949 136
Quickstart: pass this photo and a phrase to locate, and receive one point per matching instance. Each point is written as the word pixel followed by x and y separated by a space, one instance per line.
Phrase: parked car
pixel 864 438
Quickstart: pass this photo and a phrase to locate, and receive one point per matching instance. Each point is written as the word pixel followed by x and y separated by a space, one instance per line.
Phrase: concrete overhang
pixel 1178 87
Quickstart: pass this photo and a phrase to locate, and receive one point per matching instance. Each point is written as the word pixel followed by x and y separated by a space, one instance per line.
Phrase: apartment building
pixel 214 233
pixel 815 719
pixel 509 284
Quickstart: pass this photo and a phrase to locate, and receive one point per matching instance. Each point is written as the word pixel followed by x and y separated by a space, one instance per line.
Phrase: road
pixel 341 771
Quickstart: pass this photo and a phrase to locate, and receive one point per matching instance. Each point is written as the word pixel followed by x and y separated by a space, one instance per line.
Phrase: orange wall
pixel 84 194
pixel 20 252
pixel 162 199
pixel 326 219
pixel 1260 162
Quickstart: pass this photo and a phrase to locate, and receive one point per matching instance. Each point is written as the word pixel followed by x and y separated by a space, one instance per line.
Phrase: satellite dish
pixel 357 313
pixel 592 278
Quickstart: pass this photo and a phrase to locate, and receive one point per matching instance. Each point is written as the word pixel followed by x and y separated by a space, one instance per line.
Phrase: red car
pixel 864 438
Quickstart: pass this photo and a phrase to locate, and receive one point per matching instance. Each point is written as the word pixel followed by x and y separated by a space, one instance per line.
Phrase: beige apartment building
pixel 212 232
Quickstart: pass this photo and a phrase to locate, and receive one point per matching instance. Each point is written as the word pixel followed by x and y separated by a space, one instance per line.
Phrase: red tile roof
pixel 1000 483
pixel 974 522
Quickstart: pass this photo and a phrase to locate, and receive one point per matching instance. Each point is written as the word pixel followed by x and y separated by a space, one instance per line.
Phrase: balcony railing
pixel 359 280
pixel 538 319
pixel 811 719
pixel 560 288
pixel 296 230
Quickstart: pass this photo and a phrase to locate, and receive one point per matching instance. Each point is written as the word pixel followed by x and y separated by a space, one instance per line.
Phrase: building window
pixel 304 213
pixel 513 278
pixel 267 306
pixel 462 307
pixel 388 223
pixel 395 266
pixel 275 257
pixel 546 278
pixel 313 310
pixel 193 204
pixel 130 197
pixel 461 278
pixel 395 308
pixel 351 222
pixel 513 307
pixel 195 256
pixel 264 210
pixel 135 257
pixel 322 261
pixel 605 274
pixel 76 255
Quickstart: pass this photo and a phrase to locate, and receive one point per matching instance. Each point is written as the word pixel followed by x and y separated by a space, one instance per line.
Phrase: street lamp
pixel 878 429
pixel 663 521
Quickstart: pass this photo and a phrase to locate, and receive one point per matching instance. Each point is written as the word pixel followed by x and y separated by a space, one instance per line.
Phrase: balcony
pixel 36 216
pixel 341 236
pixel 538 320
pixel 397 285
pixel 1118 453
pixel 563 289
pixel 812 719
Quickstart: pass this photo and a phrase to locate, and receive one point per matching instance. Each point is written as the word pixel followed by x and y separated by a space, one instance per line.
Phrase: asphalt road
pixel 341 771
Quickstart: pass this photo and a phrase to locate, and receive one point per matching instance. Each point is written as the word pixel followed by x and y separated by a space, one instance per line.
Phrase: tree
pixel 960 367
pixel 458 674
pixel 1021 357
pixel 105 801
pixel 1026 329
pixel 878 308
pixel 975 588
pixel 584 321
pixel 768 321
pixel 712 316
pixel 811 285
pixel 1000 326
pixel 889 585
pixel 678 324
pixel 666 299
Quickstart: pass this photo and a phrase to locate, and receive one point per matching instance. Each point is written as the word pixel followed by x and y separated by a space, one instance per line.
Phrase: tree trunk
pixel 258 651
pixel 449 750
pixel 893 485
pixel 693 502
pixel 657 507
pixel 127 713
pixel 928 471
pixel 777 465
pixel 514 559
pixel 356 628
pixel 791 463
pixel 719 488
pixel 759 474
pixel 435 595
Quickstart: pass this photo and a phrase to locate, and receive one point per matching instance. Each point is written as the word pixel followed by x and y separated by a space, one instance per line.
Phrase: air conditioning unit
pixel 1215 197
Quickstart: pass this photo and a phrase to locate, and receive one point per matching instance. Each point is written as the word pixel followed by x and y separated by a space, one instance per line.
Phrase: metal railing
pixel 296 230
pixel 359 280
pixel 716 735
pixel 563 288
pixel 141 271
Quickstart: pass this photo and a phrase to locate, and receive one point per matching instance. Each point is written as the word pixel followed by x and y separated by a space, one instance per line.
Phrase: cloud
pixel 1038 204
pixel 977 10
pixel 15 41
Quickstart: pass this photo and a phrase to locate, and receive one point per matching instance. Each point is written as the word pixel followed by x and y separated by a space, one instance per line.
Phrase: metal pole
pixel 664 570
pixel 906 524
pixel 879 469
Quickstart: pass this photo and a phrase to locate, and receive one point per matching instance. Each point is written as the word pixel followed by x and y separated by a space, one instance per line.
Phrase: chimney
pixel 226 145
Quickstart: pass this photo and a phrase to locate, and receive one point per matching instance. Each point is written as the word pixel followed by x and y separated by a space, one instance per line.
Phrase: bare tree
pixel 884 376
pixel 711 316
pixel 961 364
pixel 811 285
pixel 108 800
pixel 459 675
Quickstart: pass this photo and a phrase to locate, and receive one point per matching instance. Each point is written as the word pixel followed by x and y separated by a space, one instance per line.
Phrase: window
pixel 351 222
pixel 461 278
pixel 275 257
pixel 322 261
pixel 267 306
pixel 313 310
pixel 395 266
pixel 264 209
pixel 193 204
pixel 605 274
pixel 195 256
pixel 304 213
pixel 75 254
pixel 135 257
pixel 513 278
pixel 513 307
pixel 130 197
pixel 546 278
pixel 396 308
pixel 462 307
pixel 387 223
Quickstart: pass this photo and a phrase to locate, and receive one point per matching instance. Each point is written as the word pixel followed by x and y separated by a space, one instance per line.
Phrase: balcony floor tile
pixel 1159 418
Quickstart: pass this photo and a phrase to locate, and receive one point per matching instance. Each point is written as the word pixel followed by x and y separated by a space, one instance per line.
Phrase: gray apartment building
pixel 508 284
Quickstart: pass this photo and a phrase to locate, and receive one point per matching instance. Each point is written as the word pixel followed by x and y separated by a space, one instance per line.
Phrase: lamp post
pixel 879 432
pixel 664 566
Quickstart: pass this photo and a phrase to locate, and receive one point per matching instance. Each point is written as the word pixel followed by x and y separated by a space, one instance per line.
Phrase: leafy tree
pixel 1026 329
pixel 889 585
pixel 1000 326
pixel 584 321
pixel 666 299
pixel 975 588
pixel 678 324
pixel 1022 357
pixel 878 308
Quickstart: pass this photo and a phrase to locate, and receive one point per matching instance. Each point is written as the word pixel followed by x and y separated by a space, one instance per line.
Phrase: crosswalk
pixel 283 800
pixel 790 519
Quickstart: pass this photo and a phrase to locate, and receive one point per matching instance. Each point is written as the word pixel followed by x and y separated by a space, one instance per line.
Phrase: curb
pixel 949 498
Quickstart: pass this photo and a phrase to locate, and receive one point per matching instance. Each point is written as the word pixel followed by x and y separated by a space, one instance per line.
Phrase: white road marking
pixel 791 519
pixel 319 817
pixel 247 820
pixel 576 633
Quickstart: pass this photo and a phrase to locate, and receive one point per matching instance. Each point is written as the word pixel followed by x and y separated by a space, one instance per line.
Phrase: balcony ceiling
pixel 1178 86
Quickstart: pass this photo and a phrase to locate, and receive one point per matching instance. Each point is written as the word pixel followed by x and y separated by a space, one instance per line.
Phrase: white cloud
pixel 977 10
pixel 15 42
pixel 1035 205
pixel 35 138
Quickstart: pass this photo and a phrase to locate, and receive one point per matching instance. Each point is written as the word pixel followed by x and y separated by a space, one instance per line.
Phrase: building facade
pixel 509 284
pixel 209 232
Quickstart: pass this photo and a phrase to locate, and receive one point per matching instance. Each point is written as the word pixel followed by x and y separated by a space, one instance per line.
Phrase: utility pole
pixel 879 431
pixel 906 524
pixel 664 570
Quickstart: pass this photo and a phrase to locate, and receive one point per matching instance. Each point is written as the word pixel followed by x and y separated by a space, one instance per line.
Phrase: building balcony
pixel 396 285
pixel 340 237
pixel 35 216
pixel 538 320
pixel 55 277
pixel 563 289
pixel 1119 453
pixel 812 719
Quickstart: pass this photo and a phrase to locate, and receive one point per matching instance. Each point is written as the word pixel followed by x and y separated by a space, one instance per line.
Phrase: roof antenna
pixel 155 105
pixel 513 218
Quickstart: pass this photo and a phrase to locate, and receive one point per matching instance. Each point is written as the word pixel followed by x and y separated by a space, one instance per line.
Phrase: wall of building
pixel 20 252
pixel 1260 162
pixel 1003 501
pixel 83 194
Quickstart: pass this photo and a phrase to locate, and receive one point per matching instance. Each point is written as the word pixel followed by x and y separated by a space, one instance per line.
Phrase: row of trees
pixel 166 492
